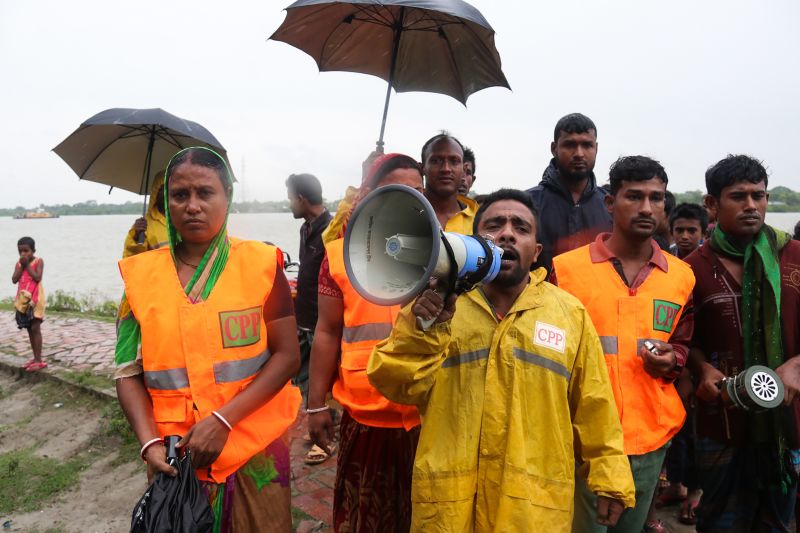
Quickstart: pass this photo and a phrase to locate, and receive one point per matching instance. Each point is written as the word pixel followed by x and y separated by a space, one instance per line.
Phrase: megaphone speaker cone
pixel 391 245
pixel 394 244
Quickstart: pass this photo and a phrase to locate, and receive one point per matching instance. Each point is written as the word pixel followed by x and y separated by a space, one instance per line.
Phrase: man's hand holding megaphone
pixel 431 306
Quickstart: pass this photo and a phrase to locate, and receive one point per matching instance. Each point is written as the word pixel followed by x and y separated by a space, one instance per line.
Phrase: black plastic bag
pixel 173 504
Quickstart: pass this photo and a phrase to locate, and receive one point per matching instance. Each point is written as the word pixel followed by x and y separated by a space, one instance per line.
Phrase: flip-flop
pixel 655 526
pixel 668 497
pixel 687 514
pixel 35 367
pixel 317 455
pixel 28 363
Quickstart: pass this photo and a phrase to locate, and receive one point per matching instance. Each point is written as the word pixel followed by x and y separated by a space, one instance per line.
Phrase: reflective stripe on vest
pixel 224 372
pixel 172 379
pixel 610 344
pixel 376 331
pixel 543 362
pixel 468 357
pixel 229 371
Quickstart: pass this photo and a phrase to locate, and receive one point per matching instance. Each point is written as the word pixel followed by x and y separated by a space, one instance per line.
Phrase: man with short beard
pixel 511 387
pixel 569 202
pixel 635 292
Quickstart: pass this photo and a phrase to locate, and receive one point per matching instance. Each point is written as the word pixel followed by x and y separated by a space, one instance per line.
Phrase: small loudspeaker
pixel 394 244
pixel 758 388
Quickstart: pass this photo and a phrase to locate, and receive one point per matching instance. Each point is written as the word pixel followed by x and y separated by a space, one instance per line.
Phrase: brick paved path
pixel 81 344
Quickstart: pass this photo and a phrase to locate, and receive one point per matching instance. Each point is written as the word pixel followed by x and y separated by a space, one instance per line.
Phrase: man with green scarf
pixel 747 298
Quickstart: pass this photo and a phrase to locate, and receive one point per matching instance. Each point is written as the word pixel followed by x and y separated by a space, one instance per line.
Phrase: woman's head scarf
pixel 213 262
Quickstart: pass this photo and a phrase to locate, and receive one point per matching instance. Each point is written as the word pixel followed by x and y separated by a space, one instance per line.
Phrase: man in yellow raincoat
pixel 512 389
pixel 153 224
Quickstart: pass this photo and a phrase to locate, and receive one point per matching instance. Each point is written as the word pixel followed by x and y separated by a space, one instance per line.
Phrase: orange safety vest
pixel 365 324
pixel 650 409
pixel 197 357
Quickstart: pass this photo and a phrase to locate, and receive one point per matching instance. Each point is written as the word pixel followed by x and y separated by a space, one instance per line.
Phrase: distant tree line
pixel 781 200
pixel 91 207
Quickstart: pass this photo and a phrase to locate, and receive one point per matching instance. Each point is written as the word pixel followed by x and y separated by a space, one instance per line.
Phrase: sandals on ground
pixel 35 367
pixel 688 514
pixel 317 455
pixel 655 526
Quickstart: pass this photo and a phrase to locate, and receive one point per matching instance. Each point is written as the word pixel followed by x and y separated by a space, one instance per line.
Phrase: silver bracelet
pixel 222 419
pixel 148 444
pixel 317 410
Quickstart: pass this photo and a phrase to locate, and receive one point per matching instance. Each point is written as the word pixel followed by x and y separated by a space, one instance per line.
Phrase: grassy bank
pixel 61 303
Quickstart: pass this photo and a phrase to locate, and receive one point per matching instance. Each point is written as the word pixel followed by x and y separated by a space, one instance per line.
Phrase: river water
pixel 81 252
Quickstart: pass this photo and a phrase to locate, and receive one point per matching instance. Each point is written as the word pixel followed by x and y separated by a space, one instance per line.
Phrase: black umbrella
pixel 175 504
pixel 440 46
pixel 125 148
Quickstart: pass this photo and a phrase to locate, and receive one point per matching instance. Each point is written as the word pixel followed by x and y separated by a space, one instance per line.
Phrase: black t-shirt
pixel 311 253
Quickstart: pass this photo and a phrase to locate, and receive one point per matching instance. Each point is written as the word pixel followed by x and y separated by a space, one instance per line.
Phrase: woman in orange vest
pixel 206 347
pixel 378 438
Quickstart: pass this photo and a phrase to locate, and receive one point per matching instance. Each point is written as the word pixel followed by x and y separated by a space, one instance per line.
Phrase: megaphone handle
pixel 425 325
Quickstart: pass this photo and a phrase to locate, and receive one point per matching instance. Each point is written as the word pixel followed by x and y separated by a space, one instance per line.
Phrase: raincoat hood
pixel 552 180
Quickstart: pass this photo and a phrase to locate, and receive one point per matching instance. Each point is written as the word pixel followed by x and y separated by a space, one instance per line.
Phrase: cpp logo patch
pixel 240 328
pixel 549 336
pixel 664 314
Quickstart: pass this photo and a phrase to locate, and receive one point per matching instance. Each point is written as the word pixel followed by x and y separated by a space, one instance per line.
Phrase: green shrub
pixel 89 304
pixel 62 301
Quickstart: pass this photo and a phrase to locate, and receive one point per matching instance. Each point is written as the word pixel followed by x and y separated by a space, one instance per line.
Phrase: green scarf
pixel 761 292
pixel 213 262
pixel 761 322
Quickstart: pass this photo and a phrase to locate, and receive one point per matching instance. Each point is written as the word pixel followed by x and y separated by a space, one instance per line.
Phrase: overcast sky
pixel 683 81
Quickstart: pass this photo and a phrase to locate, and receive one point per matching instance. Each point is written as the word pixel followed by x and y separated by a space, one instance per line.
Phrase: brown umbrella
pixel 440 46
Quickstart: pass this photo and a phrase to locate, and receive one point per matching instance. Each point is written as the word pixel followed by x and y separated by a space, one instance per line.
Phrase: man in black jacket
pixel 570 204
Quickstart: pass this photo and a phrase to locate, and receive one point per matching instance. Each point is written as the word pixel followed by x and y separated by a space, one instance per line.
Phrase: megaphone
pixel 394 244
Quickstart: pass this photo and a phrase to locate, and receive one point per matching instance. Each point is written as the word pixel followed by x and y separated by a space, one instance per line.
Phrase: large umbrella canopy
pixel 440 46
pixel 126 148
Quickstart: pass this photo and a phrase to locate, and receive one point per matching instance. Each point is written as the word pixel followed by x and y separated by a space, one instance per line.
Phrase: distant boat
pixel 36 214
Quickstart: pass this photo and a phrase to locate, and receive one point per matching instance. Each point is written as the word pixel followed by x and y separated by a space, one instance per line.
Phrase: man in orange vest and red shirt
pixel 634 293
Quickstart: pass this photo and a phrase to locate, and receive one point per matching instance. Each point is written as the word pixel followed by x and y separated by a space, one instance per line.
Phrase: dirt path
pixel 107 487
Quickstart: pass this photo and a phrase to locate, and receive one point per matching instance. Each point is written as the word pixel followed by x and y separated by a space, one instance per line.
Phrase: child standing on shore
pixel 30 299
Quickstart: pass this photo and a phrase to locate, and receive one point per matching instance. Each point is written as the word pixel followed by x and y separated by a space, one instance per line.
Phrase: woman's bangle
pixel 222 419
pixel 148 444
pixel 317 410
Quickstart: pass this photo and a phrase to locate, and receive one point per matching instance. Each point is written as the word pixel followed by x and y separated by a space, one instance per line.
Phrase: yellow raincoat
pixel 156 234
pixel 507 409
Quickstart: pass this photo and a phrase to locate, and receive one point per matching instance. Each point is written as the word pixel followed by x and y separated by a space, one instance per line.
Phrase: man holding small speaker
pixel 748 314
pixel 511 386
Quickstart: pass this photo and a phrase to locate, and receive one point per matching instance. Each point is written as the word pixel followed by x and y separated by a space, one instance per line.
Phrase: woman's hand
pixel 156 457
pixel 206 440
pixel 320 428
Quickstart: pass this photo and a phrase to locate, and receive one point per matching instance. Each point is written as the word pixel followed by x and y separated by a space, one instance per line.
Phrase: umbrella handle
pixel 398 31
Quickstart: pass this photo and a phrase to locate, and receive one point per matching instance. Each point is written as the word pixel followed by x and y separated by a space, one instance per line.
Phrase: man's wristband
pixel 317 409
